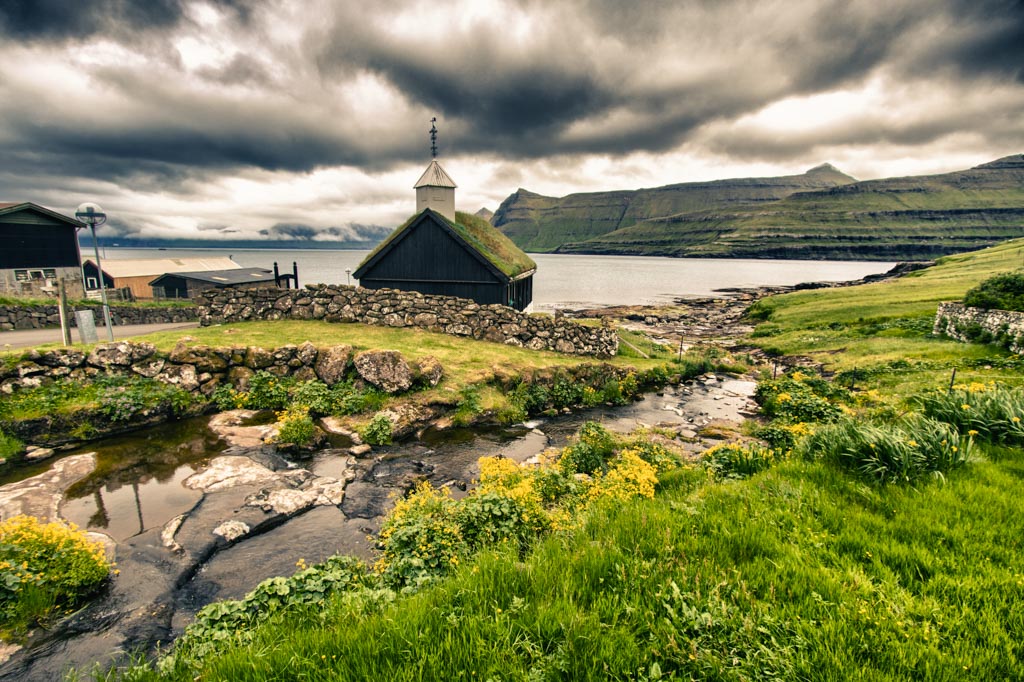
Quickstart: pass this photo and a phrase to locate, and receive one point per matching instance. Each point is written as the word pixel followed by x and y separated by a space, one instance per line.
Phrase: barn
pixel 136 274
pixel 188 284
pixel 441 251
pixel 38 246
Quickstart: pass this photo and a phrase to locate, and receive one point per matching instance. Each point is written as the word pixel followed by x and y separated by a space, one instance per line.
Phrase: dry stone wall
pixel 961 323
pixel 42 316
pixel 203 368
pixel 393 308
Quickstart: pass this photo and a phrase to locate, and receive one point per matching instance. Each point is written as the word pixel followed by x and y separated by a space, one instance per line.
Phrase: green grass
pixel 9 445
pixel 801 572
pixel 465 361
pixel 888 324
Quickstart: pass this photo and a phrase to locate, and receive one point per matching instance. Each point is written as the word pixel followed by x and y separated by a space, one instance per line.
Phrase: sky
pixel 309 119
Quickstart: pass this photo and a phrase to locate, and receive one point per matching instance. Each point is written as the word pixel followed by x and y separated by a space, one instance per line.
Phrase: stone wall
pixel 41 316
pixel 202 368
pixel 393 308
pixel 961 323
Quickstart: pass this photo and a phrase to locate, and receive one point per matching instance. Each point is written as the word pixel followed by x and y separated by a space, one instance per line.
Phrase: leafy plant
pixel 593 446
pixel 231 621
pixel 1001 292
pixel 800 398
pixel 421 538
pixel 45 567
pixel 267 391
pixel 738 460
pixel 990 412
pixel 9 445
pixel 296 426
pixel 378 431
pixel 898 453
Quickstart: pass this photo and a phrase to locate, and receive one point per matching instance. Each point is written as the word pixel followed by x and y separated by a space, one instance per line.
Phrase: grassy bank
pixel 880 334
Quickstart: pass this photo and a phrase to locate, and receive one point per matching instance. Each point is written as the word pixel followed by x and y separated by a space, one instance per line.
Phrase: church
pixel 443 251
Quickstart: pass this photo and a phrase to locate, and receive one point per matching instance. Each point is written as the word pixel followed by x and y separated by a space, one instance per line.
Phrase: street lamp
pixel 93 216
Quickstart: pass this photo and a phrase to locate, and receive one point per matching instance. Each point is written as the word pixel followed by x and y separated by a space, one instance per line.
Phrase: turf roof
pixel 494 246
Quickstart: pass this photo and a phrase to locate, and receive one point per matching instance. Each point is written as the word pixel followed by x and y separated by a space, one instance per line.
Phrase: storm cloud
pixel 295 118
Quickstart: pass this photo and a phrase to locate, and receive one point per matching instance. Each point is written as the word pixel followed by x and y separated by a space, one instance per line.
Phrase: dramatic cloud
pixel 228 118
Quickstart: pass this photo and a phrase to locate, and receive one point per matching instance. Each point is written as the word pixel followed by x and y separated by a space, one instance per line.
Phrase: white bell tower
pixel 435 189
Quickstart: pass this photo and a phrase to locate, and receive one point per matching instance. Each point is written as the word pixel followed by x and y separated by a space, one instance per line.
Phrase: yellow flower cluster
pixel 629 477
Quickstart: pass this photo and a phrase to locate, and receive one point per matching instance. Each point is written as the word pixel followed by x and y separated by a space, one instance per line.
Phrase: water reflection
pixel 137 483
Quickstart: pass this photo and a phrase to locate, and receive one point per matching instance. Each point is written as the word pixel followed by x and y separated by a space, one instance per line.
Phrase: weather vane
pixel 433 138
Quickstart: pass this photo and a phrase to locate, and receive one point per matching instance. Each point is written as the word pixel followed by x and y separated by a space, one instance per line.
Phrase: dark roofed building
pixel 37 247
pixel 188 284
pixel 465 257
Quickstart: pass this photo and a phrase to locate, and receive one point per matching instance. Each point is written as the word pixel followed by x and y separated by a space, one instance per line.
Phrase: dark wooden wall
pixel 429 260
pixel 29 240
pixel 428 252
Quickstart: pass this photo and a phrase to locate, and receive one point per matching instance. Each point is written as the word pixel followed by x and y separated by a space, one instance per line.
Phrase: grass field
pixel 884 329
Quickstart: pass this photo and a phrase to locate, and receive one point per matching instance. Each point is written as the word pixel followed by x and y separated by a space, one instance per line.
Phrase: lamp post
pixel 93 216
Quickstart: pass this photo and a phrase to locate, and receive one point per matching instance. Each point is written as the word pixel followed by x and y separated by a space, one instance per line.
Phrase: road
pixel 26 338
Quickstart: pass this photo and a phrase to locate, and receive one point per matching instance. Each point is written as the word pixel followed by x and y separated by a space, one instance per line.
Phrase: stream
pixel 199 510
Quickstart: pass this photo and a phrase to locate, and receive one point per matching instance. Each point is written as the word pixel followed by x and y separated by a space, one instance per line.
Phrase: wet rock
pixel 228 425
pixel 428 370
pixel 337 427
pixel 385 369
pixel 284 501
pixel 367 501
pixel 40 496
pixel 332 362
pixel 360 450
pixel 168 532
pixel 231 530
pixel 229 472
pixel 34 453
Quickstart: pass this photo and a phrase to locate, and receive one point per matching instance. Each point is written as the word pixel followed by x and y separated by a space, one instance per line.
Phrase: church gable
pixel 427 251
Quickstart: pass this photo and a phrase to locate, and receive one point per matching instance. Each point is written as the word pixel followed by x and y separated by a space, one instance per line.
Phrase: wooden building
pixel 136 274
pixel 38 246
pixel 188 284
pixel 454 255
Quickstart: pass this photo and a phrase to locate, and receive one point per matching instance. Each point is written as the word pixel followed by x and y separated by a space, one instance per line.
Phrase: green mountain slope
pixel 539 223
pixel 892 219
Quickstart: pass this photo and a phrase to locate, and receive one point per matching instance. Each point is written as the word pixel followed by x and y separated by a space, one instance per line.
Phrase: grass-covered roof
pixel 490 243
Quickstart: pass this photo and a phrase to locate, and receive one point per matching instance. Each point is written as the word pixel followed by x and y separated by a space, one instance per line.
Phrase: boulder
pixel 385 369
pixel 258 358
pixel 183 376
pixel 306 354
pixel 204 358
pixel 108 355
pixel 149 368
pixel 332 362
pixel 429 371
pixel 64 357
pixel 239 377
pixel 229 471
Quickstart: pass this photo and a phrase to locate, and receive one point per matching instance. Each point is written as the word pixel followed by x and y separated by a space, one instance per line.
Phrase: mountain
pixel 539 223
pixel 485 213
pixel 907 218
